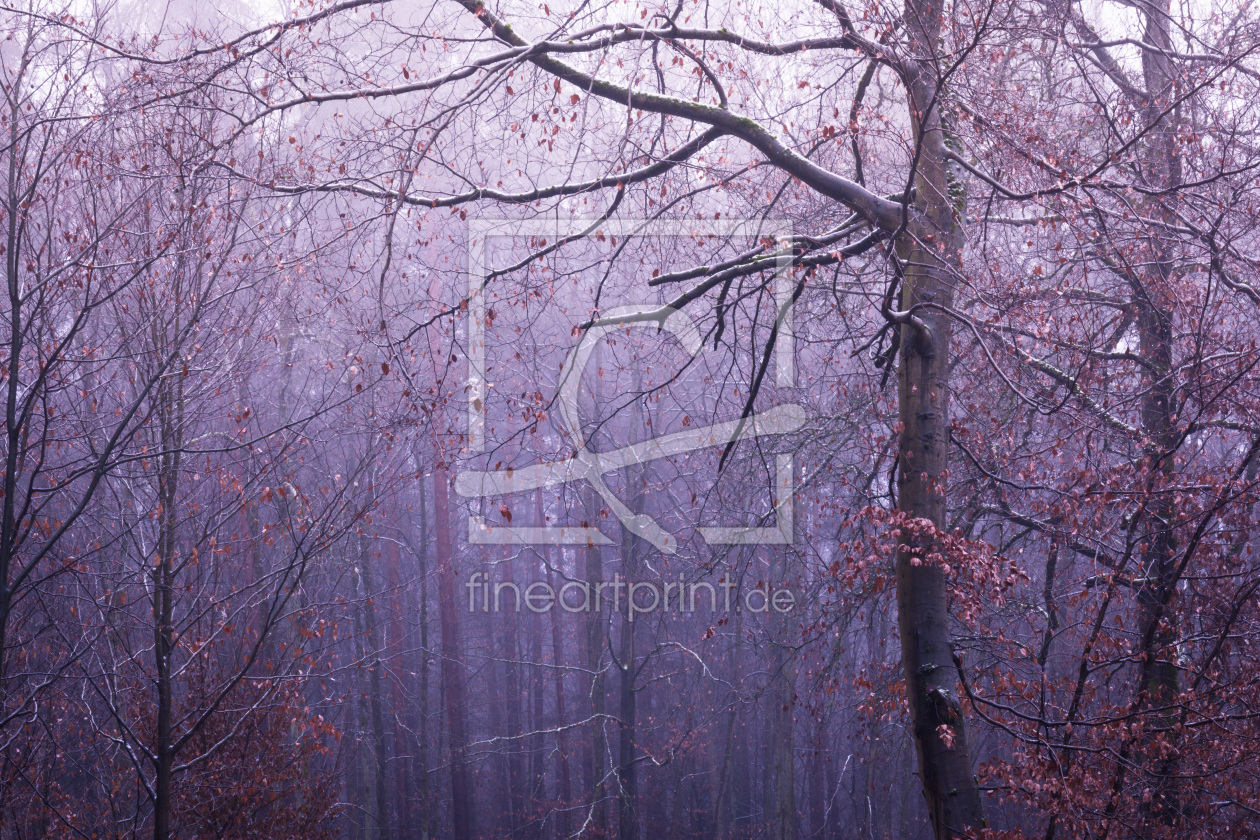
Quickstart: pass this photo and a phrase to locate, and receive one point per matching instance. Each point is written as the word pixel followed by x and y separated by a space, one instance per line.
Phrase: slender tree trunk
pixel 537 689
pixel 170 415
pixel 164 759
pixel 595 746
pixel 401 747
pixel 376 699
pixel 741 754
pixel 418 713
pixel 13 379
pixel 631 546
pixel 361 793
pixel 537 741
pixel 452 663
pixel 564 782
pixel 723 757
pixel 627 802
pixel 513 697
pixel 817 781
pixel 627 816
pixel 783 814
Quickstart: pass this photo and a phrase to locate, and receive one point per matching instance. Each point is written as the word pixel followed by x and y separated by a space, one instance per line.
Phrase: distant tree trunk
pixel 354 783
pixel 170 417
pixel 630 547
pixel 376 700
pixel 723 751
pixel 452 664
pixel 564 782
pixel 362 800
pixel 627 818
pixel 419 710
pixel 402 749
pixel 766 750
pixel 537 741
pixel 817 781
pixel 595 747
pixel 537 688
pixel 627 802
pixel 741 754
pixel 677 820
pixel 512 694
pixel 783 744
pixel 835 778
pixel 729 790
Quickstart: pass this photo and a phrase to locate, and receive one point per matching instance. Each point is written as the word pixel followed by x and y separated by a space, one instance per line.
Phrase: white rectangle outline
pixel 480 230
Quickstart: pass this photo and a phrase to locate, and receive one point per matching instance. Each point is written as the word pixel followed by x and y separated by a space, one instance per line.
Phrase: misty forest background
pixel 1003 253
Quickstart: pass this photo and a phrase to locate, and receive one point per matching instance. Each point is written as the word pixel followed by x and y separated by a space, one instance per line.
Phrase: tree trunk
pixel 564 782
pixel 595 746
pixel 1156 301
pixel 537 741
pixel 627 818
pixel 418 713
pixel 376 700
pixel 402 749
pixel 513 696
pixel 817 781
pixel 783 825
pixel 452 664
pixel 170 416
pixel 929 254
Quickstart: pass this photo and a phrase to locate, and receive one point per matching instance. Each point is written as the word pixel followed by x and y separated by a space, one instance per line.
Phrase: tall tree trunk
pixel 723 757
pixel 627 804
pixel 817 780
pixel 402 749
pixel 741 754
pixel 170 415
pixel 564 782
pixel 513 697
pixel 595 746
pixel 376 701
pixel 361 792
pixel 537 689
pixel 13 425
pixel 452 664
pixel 418 712
pixel 354 781
pixel 786 629
pixel 929 257
pixel 637 478
pixel 627 817
pixel 1156 301
pixel 537 741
